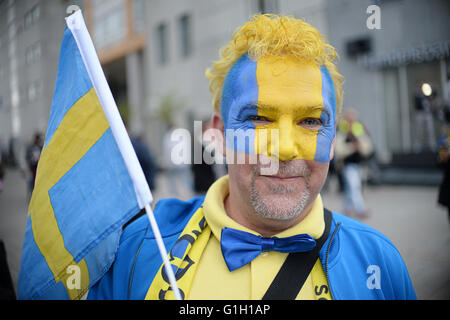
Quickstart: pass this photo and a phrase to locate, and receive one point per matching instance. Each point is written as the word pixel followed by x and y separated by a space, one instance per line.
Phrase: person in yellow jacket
pixel 353 147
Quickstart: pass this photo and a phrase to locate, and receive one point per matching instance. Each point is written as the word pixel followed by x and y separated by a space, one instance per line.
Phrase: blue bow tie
pixel 240 248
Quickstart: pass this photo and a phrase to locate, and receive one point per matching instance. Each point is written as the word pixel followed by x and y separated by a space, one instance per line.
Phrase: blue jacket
pixel 359 262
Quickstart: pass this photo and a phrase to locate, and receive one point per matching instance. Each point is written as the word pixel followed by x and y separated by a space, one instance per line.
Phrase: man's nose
pixel 287 144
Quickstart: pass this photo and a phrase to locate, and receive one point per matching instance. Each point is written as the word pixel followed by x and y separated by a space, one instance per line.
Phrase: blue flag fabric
pixel 83 193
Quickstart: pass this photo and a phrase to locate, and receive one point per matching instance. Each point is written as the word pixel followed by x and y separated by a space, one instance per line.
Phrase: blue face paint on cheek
pixel 239 99
pixel 327 133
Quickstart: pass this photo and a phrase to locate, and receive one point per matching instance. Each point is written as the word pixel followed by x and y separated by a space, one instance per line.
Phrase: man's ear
pixel 334 141
pixel 217 121
pixel 332 148
pixel 219 126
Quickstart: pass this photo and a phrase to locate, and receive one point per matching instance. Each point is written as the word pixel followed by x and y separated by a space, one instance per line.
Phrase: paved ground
pixel 418 227
pixel 409 216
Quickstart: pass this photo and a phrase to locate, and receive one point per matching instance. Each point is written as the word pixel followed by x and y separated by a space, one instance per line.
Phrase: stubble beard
pixel 284 203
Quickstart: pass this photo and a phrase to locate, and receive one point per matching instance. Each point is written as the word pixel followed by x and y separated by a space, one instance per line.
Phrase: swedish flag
pixel 88 184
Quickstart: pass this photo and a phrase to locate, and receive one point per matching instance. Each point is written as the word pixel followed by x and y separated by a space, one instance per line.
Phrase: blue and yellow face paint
pixel 295 98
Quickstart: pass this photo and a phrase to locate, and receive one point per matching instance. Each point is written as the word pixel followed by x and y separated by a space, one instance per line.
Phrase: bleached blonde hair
pixel 270 34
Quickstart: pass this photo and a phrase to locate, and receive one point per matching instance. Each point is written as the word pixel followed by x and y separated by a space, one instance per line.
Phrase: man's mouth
pixel 282 178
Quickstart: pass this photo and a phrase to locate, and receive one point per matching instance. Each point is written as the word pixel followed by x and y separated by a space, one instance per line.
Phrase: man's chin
pixel 280 209
pixel 279 200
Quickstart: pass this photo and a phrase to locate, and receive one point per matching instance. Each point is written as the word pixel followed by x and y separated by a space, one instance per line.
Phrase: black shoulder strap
pixel 295 270
pixel 137 216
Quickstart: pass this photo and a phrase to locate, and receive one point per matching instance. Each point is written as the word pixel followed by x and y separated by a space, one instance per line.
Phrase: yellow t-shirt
pixel 213 280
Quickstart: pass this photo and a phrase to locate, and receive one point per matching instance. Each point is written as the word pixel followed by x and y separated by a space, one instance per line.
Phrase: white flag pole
pixel 77 26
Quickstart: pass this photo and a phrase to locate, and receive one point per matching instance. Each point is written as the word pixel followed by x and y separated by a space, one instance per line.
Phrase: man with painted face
pixel 260 233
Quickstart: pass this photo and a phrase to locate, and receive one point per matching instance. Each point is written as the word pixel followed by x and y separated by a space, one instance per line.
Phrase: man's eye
pixel 259 119
pixel 311 123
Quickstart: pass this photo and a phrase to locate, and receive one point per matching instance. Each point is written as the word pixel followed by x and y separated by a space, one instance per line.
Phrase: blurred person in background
pixel 2 172
pixel 178 173
pixel 146 160
pixel 425 136
pixel 353 147
pixel 444 163
pixel 6 285
pixel 2 164
pixel 32 156
pixel 11 159
pixel 444 152
pixel 203 173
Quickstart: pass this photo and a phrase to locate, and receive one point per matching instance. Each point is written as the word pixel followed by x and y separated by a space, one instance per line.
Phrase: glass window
pixel 28 20
pixel 139 15
pixel 36 13
pixel 392 102
pixel 161 36
pixel 37 51
pixel 31 92
pixel 29 55
pixel 266 6
pixel 34 91
pixel 32 16
pixel 425 104
pixel 12 31
pixel 115 26
pixel 185 35
pixel 413 101
pixel 33 53
pixel 108 22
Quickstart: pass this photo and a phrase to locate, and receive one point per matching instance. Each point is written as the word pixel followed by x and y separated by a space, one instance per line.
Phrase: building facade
pixel 384 67
pixel 30 36
pixel 155 54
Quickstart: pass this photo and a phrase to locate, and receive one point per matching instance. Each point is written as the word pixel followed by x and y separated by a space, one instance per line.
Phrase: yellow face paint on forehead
pixel 289 100
pixel 286 83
